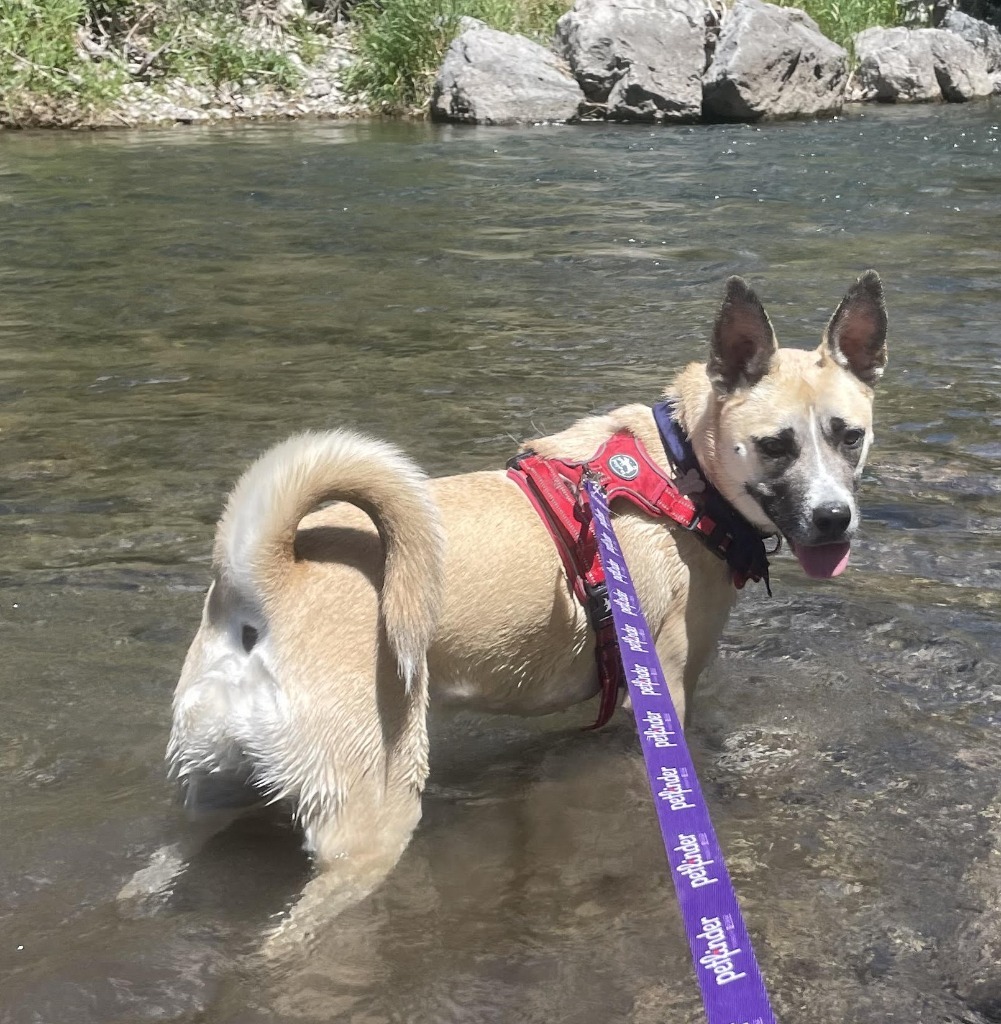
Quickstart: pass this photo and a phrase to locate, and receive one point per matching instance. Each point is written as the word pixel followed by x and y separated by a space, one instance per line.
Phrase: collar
pixel 746 554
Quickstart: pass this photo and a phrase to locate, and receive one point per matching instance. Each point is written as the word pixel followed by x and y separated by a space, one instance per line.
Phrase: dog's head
pixel 787 431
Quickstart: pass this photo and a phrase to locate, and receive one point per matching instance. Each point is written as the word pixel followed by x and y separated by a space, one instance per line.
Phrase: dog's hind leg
pixel 336 886
pixel 357 830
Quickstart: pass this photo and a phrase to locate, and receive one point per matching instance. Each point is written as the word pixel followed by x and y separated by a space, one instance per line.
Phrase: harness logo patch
pixel 625 467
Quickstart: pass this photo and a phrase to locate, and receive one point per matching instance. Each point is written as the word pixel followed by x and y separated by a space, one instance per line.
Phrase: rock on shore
pixel 640 60
pixel 674 61
pixel 491 77
pixel 773 62
pixel 902 65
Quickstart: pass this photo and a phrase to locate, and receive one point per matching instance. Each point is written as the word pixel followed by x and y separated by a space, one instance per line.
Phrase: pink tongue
pixel 822 561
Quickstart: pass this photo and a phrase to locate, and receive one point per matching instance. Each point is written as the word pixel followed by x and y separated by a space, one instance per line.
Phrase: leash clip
pixel 599 605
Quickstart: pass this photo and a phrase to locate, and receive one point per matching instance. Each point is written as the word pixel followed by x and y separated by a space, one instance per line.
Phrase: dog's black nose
pixel 831 521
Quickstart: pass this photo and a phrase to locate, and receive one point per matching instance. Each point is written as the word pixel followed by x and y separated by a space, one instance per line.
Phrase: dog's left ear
pixel 856 336
pixel 743 340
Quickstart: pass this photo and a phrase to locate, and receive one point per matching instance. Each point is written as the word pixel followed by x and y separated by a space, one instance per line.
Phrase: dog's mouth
pixel 822 561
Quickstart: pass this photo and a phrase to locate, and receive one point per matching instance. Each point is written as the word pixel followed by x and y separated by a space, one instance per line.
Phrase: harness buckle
pixel 599 606
pixel 516 460
pixel 696 519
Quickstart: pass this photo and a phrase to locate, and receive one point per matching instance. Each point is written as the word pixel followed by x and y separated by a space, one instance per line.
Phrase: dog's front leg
pixel 335 887
pixel 674 652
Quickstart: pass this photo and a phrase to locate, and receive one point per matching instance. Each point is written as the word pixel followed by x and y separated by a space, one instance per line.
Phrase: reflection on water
pixel 174 302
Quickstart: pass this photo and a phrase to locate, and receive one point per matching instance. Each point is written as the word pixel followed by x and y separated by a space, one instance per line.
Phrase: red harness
pixel 555 488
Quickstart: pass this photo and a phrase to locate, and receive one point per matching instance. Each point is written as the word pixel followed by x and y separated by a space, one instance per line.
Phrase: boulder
pixel 974 954
pixel 982 10
pixel 641 60
pixel 895 65
pixel 980 36
pixel 772 62
pixel 961 69
pixel 491 77
pixel 902 65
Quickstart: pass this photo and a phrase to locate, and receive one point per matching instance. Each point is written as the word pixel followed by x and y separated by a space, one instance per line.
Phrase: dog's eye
pixel 852 438
pixel 773 447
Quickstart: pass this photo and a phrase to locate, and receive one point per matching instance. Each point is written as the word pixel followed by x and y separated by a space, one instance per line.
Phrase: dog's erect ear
pixel 743 340
pixel 856 335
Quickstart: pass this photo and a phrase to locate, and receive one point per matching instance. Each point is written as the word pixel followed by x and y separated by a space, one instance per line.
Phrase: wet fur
pixel 326 628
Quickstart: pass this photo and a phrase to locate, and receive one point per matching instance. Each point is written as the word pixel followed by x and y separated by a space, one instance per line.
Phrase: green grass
pixel 38 49
pixel 840 20
pixel 401 43
pixel 210 48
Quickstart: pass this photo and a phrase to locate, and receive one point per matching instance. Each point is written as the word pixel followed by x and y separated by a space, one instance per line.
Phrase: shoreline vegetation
pixel 107 63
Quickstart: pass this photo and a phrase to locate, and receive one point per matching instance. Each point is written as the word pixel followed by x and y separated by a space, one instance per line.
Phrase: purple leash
pixel 733 991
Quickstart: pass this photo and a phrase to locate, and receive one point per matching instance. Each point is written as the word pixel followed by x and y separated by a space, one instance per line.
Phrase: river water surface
pixel 172 303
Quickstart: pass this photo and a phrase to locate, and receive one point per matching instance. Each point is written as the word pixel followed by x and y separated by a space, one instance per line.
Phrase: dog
pixel 328 627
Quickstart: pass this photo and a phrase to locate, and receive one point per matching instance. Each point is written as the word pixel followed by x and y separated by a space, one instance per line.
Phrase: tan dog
pixel 324 631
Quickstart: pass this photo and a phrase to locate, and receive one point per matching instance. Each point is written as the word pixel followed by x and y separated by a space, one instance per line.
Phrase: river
pixel 171 303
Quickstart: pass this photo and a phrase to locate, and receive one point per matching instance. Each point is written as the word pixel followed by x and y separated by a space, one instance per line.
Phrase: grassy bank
pixel 64 61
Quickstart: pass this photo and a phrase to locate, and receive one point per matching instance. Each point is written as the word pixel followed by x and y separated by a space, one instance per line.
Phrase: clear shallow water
pixel 172 303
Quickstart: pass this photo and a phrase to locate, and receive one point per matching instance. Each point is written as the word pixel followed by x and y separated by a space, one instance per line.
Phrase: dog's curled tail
pixel 254 547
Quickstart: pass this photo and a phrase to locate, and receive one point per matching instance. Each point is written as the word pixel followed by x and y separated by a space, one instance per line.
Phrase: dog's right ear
pixel 743 341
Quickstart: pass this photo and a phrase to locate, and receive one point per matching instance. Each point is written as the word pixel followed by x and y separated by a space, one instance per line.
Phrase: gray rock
pixel 960 67
pixel 981 36
pixel 896 66
pixel 978 33
pixel 773 62
pixel 901 65
pixel 317 88
pixel 641 59
pixel 917 13
pixel 491 77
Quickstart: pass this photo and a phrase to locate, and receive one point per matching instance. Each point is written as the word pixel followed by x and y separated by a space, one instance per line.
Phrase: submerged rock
pixel 976 952
pixel 491 77
pixel 641 60
pixel 773 62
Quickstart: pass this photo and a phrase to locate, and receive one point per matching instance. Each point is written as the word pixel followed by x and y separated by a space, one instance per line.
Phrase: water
pixel 172 303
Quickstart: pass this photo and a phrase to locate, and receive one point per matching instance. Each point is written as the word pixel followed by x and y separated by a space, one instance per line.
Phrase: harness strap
pixel 743 550
pixel 555 487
